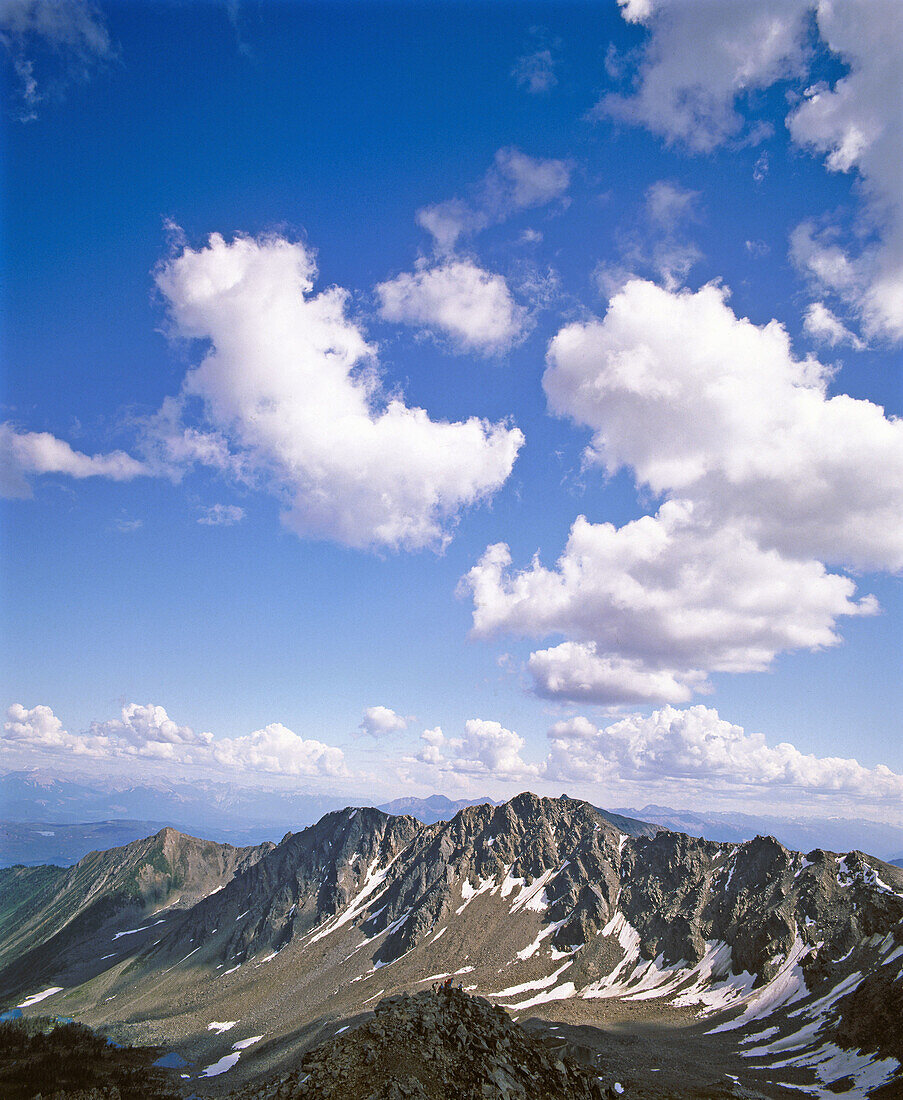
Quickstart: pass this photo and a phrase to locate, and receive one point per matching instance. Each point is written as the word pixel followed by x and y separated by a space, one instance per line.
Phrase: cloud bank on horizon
pixel 694 745
pixel 761 496
pixel 147 733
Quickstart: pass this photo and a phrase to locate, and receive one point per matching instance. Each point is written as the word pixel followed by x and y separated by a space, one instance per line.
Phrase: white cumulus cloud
pixel 456 298
pixel 277 750
pixel 434 741
pixel 823 326
pixel 39 728
pixel 147 732
pixel 655 604
pixel 701 57
pixel 576 671
pixel 515 182
pixel 858 125
pixel 380 720
pixel 765 477
pixel 290 397
pixel 486 749
pixel 697 744
pixel 141 724
pixel 28 454
pixel 704 404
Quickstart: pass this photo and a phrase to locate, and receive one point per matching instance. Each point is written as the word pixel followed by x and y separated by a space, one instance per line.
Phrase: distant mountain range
pixel 115 812
pixel 837 834
pixel 229 812
pixel 435 808
pixel 710 962
pixel 40 842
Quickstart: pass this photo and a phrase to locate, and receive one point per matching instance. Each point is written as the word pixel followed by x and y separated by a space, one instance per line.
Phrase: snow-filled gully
pixel 712 986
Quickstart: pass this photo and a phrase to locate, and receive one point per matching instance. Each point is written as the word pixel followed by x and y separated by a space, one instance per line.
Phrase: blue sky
pixel 311 309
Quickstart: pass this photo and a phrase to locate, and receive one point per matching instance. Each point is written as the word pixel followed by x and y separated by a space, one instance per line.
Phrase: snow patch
pixel 468 892
pixel 560 993
pixel 766 1034
pixel 243 1044
pixel 35 997
pixel 787 986
pixel 550 929
pixel 526 987
pixel 829 1063
pixel 531 897
pixel 629 941
pixel 373 881
pixel 510 882
pixel 804 863
pixel 827 1002
pixel 225 1063
pixel 175 964
pixel 132 931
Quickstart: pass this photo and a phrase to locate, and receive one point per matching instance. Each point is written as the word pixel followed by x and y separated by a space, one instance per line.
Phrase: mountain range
pixel 683 966
pixel 84 815
pixel 227 811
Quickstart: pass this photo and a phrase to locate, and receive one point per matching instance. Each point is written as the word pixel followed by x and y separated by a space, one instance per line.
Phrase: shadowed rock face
pixel 309 877
pixel 522 840
pixel 69 1062
pixel 436 1046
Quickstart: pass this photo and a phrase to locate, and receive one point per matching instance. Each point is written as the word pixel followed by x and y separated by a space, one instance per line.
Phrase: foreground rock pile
pixel 441 1045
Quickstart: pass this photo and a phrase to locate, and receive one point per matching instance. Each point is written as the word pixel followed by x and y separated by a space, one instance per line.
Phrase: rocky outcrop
pixel 441 1045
